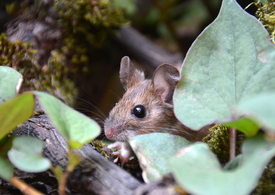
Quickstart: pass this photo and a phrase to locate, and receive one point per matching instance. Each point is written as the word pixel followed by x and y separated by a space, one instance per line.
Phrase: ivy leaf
pixel 77 128
pixel 26 155
pixel 15 112
pixel 153 151
pixel 232 59
pixel 198 170
pixel 10 82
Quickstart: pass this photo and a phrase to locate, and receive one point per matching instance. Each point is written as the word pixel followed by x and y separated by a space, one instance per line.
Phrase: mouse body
pixel 147 105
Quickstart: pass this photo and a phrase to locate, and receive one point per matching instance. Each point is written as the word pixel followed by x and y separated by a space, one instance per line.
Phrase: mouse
pixel 146 107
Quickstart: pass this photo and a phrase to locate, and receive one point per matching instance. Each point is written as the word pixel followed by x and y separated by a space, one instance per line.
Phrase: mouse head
pixel 146 104
pixel 164 80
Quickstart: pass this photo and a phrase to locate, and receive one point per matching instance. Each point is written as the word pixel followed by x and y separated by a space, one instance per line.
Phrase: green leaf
pixel 154 150
pixel 26 155
pixel 77 128
pixel 232 59
pixel 6 170
pixel 5 144
pixel 198 171
pixel 245 125
pixel 10 82
pixel 15 112
pixel 262 108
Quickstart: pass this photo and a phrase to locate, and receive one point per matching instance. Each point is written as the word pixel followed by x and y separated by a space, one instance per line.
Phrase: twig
pixel 23 187
pixel 232 143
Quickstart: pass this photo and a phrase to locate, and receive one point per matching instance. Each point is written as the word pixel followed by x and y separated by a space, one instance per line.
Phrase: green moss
pixel 218 141
pixel 266 14
pixel 83 24
pixel 51 77
pixel 14 53
pixel 87 23
pixel 100 145
pixel 266 185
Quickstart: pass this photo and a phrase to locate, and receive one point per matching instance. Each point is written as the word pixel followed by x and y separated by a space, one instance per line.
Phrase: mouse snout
pixel 110 132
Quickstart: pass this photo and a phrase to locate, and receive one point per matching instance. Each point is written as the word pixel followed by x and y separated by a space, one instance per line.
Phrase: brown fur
pixel 160 117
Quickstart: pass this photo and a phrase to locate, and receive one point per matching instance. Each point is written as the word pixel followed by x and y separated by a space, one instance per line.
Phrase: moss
pixel 51 77
pixel 87 23
pixel 266 14
pixel 266 185
pixel 218 142
pixel 82 24
pixel 101 147
pixel 16 53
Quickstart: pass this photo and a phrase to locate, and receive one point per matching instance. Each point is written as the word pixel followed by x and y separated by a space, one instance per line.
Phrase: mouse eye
pixel 139 111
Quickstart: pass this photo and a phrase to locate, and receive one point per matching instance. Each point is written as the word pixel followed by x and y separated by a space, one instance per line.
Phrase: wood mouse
pixel 146 106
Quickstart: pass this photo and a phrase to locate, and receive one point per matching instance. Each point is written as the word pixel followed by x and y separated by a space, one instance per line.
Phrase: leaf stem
pixel 23 187
pixel 73 161
pixel 63 182
pixel 232 143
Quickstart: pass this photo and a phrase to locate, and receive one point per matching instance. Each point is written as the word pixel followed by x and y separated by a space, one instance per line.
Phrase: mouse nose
pixel 109 132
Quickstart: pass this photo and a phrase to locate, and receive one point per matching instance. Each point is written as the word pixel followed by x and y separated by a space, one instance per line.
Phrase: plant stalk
pixel 23 187
pixel 63 182
pixel 232 144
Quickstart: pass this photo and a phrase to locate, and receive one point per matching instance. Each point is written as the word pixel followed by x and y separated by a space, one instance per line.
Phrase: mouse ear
pixel 165 79
pixel 129 75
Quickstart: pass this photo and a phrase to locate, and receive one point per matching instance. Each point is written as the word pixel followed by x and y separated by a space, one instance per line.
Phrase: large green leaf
pixel 154 150
pixel 6 170
pixel 26 155
pixel 231 60
pixel 77 128
pixel 15 112
pixel 199 172
pixel 10 82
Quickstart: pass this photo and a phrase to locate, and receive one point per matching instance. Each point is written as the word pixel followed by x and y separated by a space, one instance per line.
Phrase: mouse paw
pixel 123 152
